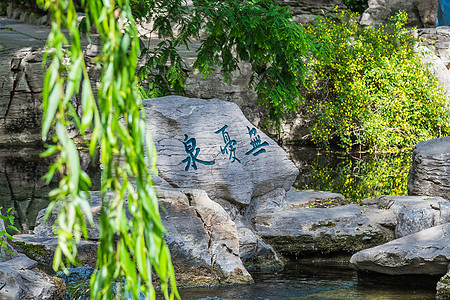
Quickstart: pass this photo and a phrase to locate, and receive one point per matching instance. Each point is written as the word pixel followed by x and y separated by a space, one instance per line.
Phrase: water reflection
pixel 22 186
pixel 303 281
pixel 355 176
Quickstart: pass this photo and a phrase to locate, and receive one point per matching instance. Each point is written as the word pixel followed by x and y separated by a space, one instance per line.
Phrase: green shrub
pixel 368 87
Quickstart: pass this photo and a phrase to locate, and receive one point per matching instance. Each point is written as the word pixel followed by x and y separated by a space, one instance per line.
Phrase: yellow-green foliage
pixel 368 87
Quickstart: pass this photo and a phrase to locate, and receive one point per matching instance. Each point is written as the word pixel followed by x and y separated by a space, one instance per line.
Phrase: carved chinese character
pixel 190 145
pixel 256 142
pixel 229 144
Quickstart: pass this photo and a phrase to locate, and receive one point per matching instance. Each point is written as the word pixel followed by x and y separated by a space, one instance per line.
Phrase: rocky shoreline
pixel 230 206
pixel 218 227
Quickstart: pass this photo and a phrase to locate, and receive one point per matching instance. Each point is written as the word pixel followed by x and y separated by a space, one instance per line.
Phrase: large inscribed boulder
pixel 210 145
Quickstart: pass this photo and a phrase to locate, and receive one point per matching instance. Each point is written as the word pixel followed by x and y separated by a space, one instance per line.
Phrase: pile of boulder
pixel 229 206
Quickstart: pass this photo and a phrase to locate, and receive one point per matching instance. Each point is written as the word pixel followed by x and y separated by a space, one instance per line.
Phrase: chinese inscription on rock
pixel 190 145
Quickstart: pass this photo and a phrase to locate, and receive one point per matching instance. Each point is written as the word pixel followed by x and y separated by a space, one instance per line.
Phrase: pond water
pixel 23 189
pixel 307 281
pixel 356 176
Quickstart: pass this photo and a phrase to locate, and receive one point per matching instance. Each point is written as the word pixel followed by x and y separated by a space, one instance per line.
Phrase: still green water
pixel 300 281
pixel 356 176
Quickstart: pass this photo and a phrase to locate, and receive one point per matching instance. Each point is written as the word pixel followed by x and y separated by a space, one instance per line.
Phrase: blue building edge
pixel 443 14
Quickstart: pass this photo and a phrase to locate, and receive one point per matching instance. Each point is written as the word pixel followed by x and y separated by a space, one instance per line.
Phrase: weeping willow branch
pixel 132 249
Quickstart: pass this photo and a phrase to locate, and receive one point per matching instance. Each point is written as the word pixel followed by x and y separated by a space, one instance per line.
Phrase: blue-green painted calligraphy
pixel 229 144
pixel 190 145
pixel 256 142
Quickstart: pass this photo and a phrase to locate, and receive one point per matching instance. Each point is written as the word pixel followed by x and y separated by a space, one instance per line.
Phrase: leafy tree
pixel 258 32
pixel 369 89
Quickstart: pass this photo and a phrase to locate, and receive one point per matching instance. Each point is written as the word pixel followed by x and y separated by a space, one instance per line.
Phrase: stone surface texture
pixel 305 11
pixel 21 280
pixel 421 13
pixel 294 228
pixel 15 12
pixel 443 287
pixel 202 238
pixel 413 213
pixel 210 145
pixel 42 248
pixel 307 231
pixel 425 252
pixel 20 99
pixel 429 172
pixel 435 47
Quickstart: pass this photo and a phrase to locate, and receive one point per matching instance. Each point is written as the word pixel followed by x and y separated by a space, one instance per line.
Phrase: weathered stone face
pixel 421 13
pixel 307 231
pixel 20 99
pixel 443 287
pixel 210 145
pixel 429 174
pixel 294 228
pixel 202 238
pixel 425 252
pixel 21 281
pixel 305 11
pixel 413 213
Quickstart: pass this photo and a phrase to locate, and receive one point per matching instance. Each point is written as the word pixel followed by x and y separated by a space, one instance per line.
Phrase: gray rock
pixel 300 229
pixel 269 202
pixel 202 238
pixel 425 252
pixel 379 12
pixel 435 47
pixel 20 280
pixel 42 248
pixel 20 98
pixel 6 253
pixel 304 231
pixel 428 12
pixel 236 90
pixel 443 287
pixel 47 228
pixel 253 251
pixel 438 68
pixel 302 198
pixel 210 145
pixel 413 213
pixel 305 11
pixel 429 172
